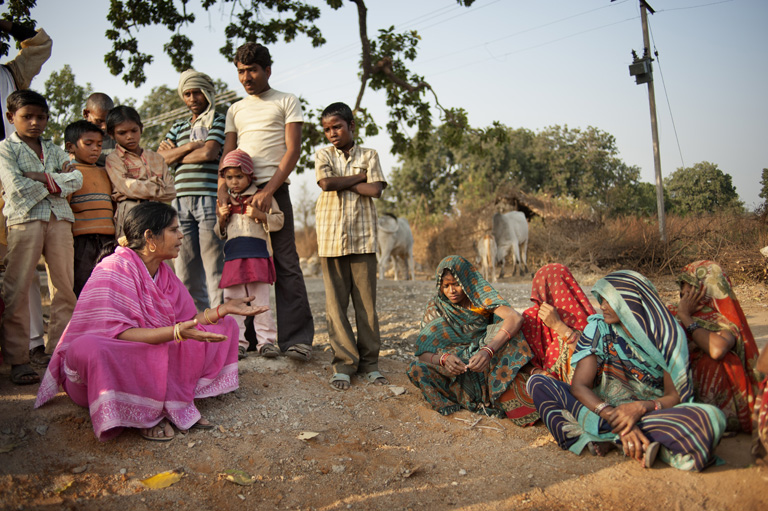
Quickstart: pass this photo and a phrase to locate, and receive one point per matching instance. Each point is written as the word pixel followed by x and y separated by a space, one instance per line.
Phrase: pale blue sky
pixel 526 64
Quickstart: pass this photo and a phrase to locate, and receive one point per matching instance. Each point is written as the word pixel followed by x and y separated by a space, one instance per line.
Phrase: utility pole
pixel 643 72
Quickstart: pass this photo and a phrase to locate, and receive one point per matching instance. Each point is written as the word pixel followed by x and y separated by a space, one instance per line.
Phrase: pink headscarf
pixel 237 158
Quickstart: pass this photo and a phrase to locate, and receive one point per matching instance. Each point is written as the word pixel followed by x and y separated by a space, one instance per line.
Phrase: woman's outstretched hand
pixel 188 331
pixel 240 307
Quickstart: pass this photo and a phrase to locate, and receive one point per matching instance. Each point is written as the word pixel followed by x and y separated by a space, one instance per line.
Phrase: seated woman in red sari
pixel 136 351
pixel 722 349
pixel 470 353
pixel 760 413
pixel 555 322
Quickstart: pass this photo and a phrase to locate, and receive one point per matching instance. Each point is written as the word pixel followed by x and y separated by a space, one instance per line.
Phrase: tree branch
pixel 367 68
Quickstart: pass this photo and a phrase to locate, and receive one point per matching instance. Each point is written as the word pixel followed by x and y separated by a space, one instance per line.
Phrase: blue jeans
pixel 201 258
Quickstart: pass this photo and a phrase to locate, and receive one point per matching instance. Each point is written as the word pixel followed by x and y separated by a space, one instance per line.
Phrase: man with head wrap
pixel 192 148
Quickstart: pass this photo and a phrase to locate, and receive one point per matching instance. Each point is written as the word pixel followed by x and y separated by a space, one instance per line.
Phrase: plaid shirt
pixel 27 200
pixel 144 177
pixel 345 220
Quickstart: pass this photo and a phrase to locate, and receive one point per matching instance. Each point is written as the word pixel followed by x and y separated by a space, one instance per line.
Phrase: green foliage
pixel 464 168
pixel 764 186
pixel 66 100
pixel 265 21
pixel 18 12
pixel 702 188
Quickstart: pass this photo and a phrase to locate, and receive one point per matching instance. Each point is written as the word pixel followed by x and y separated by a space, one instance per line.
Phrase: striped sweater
pixel 92 204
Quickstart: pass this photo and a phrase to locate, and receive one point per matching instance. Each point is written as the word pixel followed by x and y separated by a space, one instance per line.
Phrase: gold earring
pixel 152 248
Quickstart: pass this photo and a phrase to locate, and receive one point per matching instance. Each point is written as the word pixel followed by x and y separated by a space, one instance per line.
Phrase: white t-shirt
pixel 259 122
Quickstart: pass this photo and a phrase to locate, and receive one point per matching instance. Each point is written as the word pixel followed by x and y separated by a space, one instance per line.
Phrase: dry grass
pixel 629 242
pixel 306 242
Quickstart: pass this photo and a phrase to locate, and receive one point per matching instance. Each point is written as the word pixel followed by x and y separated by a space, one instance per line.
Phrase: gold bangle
pixel 205 314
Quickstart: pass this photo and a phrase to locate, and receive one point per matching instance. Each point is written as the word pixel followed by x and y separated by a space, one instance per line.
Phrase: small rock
pixel 42 429
pixel 462 472
pixel 454 483
pixel 123 471
pixel 241 496
pixel 191 444
pixel 80 469
pixel 338 469
pixel 397 391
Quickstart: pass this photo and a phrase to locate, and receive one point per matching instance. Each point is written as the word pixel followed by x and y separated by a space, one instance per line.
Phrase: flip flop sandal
pixel 197 425
pixel 241 353
pixel 340 377
pixel 650 454
pixel 300 352
pixel 157 438
pixel 23 374
pixel 269 351
pixel 374 377
pixel 39 357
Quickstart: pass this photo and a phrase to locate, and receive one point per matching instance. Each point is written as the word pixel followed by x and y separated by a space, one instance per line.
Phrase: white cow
pixel 395 242
pixel 486 253
pixel 511 232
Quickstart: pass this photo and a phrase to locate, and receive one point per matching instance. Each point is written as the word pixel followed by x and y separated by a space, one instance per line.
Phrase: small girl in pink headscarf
pixel 248 266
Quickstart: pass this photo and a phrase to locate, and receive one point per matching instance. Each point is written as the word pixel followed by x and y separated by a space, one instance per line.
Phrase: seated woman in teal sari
pixel 631 385
pixel 470 352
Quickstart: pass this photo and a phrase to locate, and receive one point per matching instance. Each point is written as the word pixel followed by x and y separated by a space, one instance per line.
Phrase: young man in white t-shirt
pixel 267 125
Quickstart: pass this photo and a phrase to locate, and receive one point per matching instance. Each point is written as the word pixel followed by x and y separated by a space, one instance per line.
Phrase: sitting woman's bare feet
pixel 163 432
pixel 600 448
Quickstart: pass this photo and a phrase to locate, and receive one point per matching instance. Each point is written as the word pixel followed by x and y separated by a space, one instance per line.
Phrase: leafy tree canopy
pixel 702 188
pixel 384 60
pixel 66 100
pixel 454 172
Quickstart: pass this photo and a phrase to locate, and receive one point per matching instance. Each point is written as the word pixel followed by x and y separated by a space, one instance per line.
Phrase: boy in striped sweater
pixel 92 204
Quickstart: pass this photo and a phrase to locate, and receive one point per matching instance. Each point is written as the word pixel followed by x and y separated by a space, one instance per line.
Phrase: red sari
pixel 554 284
pixel 728 383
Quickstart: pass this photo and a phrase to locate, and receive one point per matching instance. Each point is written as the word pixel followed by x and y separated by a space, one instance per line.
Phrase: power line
pixel 666 95
pixel 694 6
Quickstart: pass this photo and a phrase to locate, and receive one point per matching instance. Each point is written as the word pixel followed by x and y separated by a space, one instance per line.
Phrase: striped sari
pixel 632 358
pixel 449 328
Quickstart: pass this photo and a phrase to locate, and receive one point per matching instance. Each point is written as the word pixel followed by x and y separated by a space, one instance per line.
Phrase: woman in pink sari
pixel 136 351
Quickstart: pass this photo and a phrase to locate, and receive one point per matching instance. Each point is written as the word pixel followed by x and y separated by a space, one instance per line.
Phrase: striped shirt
pixel 92 204
pixel 27 200
pixel 345 220
pixel 197 178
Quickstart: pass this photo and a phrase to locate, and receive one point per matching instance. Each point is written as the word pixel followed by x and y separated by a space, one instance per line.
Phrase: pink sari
pixel 133 384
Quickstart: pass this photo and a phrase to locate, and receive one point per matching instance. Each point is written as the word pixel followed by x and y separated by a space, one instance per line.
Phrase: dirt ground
pixel 375 448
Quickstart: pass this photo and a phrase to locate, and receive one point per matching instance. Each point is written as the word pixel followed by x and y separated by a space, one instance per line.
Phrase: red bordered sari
pixel 729 383
pixel 554 284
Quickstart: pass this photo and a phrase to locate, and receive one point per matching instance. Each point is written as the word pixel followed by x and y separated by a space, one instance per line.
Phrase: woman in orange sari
pixel 721 346
pixel 553 325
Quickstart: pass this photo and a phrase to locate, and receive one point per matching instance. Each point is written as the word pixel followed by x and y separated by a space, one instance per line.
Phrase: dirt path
pixel 374 449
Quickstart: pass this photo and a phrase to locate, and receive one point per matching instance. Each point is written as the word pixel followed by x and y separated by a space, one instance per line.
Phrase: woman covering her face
pixel 555 322
pixel 722 349
pixel 631 385
pixel 469 349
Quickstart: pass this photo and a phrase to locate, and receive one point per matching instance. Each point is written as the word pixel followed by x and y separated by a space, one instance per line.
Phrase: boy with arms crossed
pixel 36 178
pixel 350 177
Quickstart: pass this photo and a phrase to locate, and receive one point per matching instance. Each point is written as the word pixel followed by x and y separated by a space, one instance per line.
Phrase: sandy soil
pixel 376 448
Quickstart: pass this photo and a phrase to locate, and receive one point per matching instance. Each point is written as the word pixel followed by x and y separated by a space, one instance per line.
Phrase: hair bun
pixel 122 241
